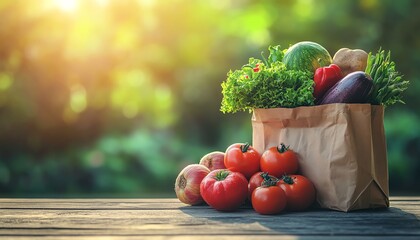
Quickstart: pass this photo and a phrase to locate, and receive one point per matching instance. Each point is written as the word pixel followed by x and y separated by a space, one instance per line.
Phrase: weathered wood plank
pixel 405 198
pixel 208 221
pixel 205 212
pixel 129 204
pixel 94 200
pixel 91 203
pixel 212 237
pixel 161 218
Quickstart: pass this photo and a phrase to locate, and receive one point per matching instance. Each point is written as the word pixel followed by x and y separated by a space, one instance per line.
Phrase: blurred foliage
pixel 116 97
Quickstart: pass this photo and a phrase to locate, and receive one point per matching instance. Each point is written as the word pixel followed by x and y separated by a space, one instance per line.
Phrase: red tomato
pixel 256 180
pixel 300 192
pixel 278 161
pixel 224 190
pixel 242 158
pixel 268 200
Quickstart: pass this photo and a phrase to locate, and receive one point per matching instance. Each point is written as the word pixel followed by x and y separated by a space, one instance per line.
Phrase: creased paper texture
pixel 341 149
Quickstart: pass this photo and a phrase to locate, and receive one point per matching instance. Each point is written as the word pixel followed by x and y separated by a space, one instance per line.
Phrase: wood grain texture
pixel 169 218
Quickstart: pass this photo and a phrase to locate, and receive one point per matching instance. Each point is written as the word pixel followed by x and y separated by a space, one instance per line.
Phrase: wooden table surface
pixel 168 218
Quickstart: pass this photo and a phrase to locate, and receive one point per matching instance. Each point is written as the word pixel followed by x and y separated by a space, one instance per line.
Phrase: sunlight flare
pixel 66 5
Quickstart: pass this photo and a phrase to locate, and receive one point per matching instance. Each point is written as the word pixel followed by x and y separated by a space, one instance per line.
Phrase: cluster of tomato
pixel 226 180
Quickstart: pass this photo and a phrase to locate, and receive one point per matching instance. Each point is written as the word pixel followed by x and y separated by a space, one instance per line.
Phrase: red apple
pixel 187 184
pixel 213 160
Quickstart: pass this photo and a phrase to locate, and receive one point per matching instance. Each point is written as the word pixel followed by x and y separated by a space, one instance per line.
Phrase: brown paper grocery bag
pixel 341 149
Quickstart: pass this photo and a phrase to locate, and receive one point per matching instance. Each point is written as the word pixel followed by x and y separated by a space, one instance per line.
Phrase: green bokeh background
pixel 113 98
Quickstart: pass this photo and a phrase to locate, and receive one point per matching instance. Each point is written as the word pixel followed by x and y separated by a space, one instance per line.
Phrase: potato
pixel 350 60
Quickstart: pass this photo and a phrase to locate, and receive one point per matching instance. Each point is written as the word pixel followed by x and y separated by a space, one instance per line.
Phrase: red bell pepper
pixel 325 78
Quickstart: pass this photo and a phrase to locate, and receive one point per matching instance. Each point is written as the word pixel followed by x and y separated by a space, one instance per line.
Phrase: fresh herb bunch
pixel 388 84
pixel 266 83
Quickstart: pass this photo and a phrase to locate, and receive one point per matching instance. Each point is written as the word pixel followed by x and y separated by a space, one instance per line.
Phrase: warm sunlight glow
pixel 66 5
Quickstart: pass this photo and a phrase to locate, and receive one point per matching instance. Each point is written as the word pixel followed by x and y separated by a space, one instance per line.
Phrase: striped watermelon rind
pixel 306 56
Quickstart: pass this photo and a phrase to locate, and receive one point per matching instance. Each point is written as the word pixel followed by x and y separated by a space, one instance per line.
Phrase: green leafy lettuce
pixel 266 83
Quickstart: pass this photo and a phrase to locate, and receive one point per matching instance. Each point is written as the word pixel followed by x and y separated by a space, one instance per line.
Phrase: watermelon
pixel 306 56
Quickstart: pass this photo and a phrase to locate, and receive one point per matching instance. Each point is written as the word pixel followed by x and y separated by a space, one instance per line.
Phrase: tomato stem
pixel 245 147
pixel 268 180
pixel 221 175
pixel 282 148
pixel 287 179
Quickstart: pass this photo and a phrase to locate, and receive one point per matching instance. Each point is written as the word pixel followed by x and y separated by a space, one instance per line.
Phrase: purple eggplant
pixel 353 88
